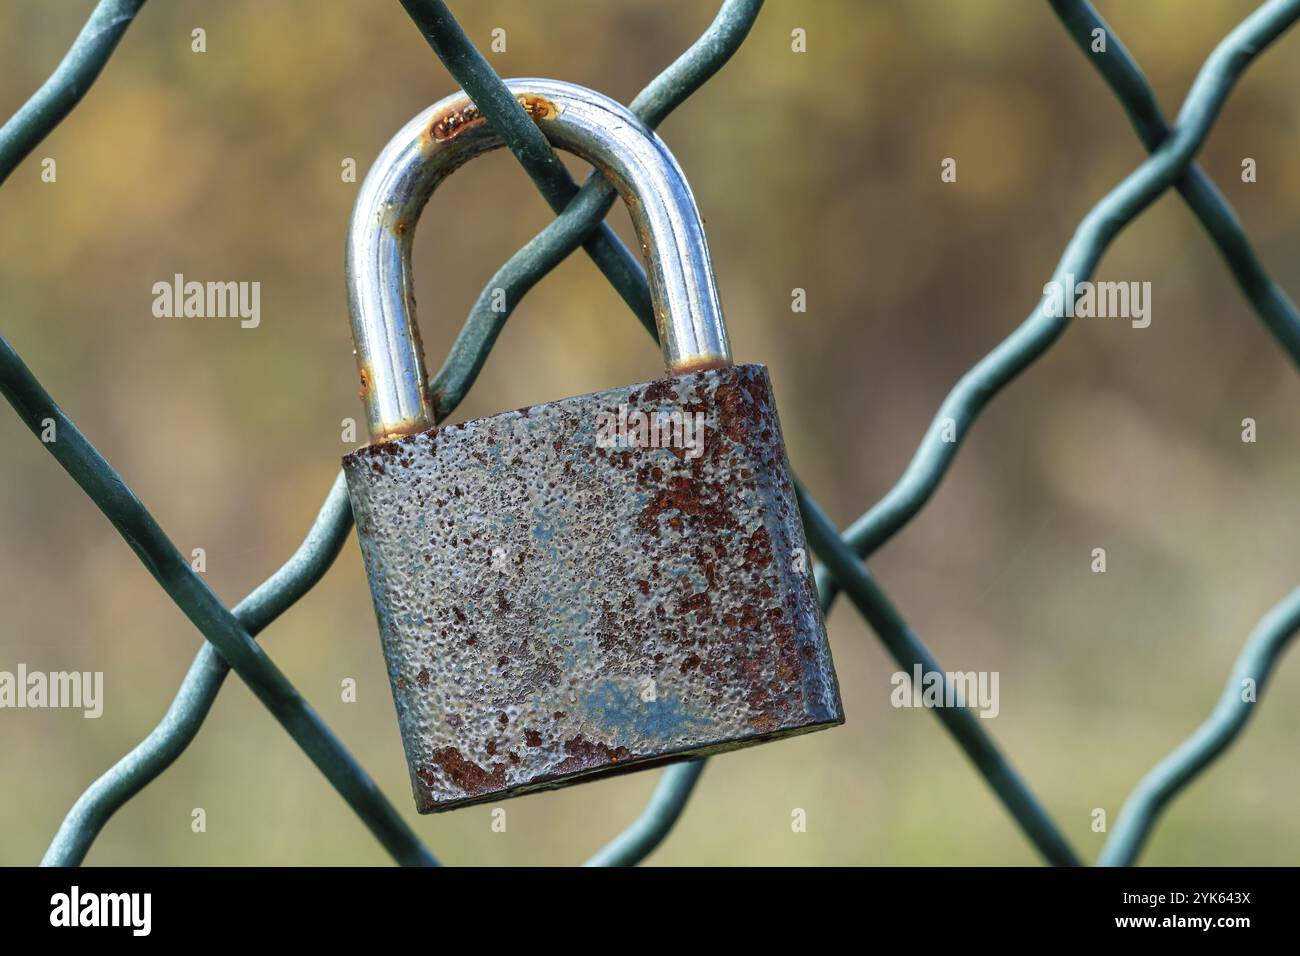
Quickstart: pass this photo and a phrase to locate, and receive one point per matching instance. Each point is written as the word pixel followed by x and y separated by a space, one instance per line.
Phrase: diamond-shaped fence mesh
pixel 579 222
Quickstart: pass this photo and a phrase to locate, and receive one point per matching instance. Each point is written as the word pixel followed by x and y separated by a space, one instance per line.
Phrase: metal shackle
pixel 381 293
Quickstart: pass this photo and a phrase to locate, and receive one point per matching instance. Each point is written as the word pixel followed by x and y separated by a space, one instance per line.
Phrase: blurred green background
pixel 817 171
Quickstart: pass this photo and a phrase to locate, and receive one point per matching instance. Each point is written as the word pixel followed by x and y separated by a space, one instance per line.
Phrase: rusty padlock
pixel 596 584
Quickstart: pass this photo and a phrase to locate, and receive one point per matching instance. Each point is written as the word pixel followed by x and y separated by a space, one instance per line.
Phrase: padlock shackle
pixel 381 292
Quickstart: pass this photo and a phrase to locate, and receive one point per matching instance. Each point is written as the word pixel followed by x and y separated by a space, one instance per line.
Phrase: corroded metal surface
pixel 558 598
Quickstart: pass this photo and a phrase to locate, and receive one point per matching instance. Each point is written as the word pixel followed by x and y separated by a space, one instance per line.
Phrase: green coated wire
pixel 586 212
pixel 1264 648
pixel 649 829
pixel 908 651
pixel 479 80
pixel 173 573
pixel 1240 697
pixel 1103 222
pixel 57 96
pixel 198 690
pixel 1172 150
pixel 42 112
pixel 1124 76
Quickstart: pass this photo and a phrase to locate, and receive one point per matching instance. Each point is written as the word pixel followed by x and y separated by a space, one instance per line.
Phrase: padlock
pixel 593 585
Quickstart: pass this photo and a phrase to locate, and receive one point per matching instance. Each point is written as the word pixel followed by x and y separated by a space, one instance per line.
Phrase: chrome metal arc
pixel 381 293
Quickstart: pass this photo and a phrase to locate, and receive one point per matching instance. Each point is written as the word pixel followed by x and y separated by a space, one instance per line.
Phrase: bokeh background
pixel 817 170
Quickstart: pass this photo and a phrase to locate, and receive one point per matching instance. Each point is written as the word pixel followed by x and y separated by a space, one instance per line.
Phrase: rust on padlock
pixel 451 122
pixel 592 585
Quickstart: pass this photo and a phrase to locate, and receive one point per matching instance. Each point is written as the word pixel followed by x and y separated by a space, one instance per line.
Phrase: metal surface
pixel 555 602
pixel 381 295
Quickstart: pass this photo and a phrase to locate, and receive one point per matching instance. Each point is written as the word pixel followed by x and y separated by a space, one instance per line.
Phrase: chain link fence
pixel 580 212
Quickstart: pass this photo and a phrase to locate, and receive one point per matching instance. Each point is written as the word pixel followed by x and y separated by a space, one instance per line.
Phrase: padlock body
pixel 593 585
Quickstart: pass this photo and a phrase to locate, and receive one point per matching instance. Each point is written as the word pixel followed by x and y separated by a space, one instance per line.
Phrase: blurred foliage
pixel 817 170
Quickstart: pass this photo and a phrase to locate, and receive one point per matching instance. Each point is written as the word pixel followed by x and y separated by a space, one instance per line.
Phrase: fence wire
pixel 580 222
